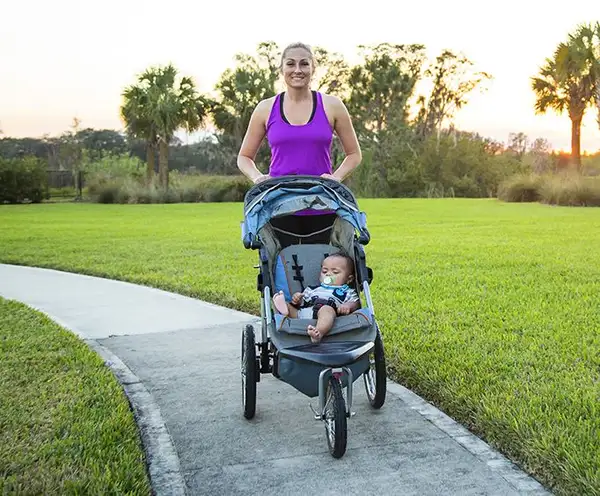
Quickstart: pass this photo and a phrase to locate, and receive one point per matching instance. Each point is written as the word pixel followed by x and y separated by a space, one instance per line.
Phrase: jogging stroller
pixel 290 261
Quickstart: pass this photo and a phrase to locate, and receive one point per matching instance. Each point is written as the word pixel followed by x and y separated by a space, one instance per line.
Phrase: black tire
pixel 375 378
pixel 249 372
pixel 335 418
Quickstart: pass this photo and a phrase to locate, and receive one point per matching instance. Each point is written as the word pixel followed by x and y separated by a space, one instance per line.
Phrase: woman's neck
pixel 299 94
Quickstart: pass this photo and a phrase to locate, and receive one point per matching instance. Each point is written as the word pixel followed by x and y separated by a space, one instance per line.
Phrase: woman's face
pixel 297 68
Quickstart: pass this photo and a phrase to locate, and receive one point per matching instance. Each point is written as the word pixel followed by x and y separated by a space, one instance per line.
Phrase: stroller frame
pixel 337 361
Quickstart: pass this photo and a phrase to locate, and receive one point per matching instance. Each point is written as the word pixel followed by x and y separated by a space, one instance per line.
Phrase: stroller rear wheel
pixel 249 372
pixel 375 377
pixel 335 418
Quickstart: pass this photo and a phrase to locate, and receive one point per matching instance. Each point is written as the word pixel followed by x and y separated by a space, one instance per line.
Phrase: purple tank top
pixel 303 149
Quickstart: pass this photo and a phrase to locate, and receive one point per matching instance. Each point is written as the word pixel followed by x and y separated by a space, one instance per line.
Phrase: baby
pixel 324 302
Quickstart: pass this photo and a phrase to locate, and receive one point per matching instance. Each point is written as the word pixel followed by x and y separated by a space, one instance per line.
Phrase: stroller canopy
pixel 288 195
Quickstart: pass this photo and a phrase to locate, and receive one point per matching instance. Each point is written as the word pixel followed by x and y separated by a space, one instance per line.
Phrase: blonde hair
pixel 298 44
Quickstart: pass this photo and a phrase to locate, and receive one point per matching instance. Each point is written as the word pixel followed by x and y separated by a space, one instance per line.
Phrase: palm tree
pixel 135 112
pixel 569 82
pixel 157 107
pixel 587 41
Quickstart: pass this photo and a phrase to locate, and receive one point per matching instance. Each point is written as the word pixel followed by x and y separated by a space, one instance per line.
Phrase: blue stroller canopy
pixel 288 195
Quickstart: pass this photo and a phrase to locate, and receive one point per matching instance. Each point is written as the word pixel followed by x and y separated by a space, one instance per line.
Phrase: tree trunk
pixel 149 163
pixel 163 163
pixel 576 141
pixel 598 103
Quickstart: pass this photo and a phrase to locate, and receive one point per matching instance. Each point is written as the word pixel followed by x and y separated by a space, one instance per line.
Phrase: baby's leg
pixel 292 311
pixel 325 318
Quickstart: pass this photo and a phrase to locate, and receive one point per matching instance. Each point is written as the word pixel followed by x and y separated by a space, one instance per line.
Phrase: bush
pixel 23 180
pixel 571 190
pixel 182 188
pixel 568 189
pixel 66 192
pixel 521 188
pixel 114 167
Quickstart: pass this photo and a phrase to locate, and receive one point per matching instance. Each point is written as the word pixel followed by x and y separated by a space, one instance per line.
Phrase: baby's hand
pixel 296 298
pixel 344 309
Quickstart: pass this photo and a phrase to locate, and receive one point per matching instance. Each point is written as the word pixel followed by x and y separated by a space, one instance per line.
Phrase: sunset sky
pixel 67 58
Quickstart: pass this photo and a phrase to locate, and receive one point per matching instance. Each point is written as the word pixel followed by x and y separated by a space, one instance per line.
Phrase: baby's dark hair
pixel 346 257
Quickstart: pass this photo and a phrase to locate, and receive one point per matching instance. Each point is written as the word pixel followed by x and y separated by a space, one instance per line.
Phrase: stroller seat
pixel 297 267
pixel 347 343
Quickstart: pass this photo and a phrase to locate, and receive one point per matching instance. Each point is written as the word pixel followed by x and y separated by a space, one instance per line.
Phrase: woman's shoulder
pixel 263 108
pixel 332 102
pixel 331 99
pixel 266 104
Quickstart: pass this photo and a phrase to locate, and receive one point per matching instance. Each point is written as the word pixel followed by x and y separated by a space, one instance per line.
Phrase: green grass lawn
pixel 65 424
pixel 489 310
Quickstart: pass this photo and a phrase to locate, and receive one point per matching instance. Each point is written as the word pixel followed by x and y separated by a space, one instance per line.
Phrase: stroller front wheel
pixel 249 370
pixel 335 418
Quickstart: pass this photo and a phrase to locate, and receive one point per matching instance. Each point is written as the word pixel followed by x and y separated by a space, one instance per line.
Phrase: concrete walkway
pixel 179 362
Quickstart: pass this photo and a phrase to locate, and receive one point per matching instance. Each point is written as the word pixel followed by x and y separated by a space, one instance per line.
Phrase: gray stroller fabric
pixel 342 238
pixel 302 264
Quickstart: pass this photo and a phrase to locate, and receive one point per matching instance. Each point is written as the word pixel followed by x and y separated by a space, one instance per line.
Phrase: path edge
pixel 162 460
pixel 523 482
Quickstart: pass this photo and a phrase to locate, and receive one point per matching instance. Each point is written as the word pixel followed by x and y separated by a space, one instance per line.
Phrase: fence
pixel 63 178
pixel 66 179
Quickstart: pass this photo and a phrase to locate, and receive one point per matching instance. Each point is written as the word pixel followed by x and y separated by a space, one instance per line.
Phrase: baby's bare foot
pixel 280 303
pixel 315 335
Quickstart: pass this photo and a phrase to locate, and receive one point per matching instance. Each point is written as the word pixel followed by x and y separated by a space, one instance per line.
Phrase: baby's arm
pixel 296 299
pixel 351 303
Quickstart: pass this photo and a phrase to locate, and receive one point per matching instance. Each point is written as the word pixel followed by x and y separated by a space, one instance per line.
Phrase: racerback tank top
pixel 303 149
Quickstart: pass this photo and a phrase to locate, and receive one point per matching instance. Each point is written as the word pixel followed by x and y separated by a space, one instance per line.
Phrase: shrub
pixel 65 192
pixel 520 188
pixel 114 167
pixel 182 188
pixel 23 180
pixel 571 190
pixel 568 189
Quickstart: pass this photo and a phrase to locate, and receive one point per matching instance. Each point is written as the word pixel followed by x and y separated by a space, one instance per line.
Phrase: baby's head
pixel 337 270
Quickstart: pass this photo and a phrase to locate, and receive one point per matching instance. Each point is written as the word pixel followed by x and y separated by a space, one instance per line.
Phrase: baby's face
pixel 335 271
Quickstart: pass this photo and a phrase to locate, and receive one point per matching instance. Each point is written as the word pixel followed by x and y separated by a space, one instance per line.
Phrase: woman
pixel 299 126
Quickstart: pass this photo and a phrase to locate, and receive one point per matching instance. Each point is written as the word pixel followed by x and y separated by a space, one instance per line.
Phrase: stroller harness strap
pixel 300 266
pixel 298 271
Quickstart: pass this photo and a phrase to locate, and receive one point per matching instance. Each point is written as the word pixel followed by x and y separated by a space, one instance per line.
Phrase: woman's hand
pixel 261 178
pixel 330 176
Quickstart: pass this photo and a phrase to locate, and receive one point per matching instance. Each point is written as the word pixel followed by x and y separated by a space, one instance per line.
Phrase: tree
pixel 569 81
pixel 452 80
pixel 379 90
pixel 539 155
pixel 240 89
pixel 136 114
pixel 158 106
pixel 382 85
pixel 517 144
pixel 101 142
pixel 332 72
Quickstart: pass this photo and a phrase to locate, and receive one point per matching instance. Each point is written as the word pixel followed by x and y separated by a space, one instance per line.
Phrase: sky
pixel 65 58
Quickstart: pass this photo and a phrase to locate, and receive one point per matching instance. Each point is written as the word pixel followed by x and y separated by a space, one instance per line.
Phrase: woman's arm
pixel 251 143
pixel 345 130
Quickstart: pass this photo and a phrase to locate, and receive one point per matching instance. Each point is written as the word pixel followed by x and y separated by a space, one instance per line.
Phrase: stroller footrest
pixel 333 354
